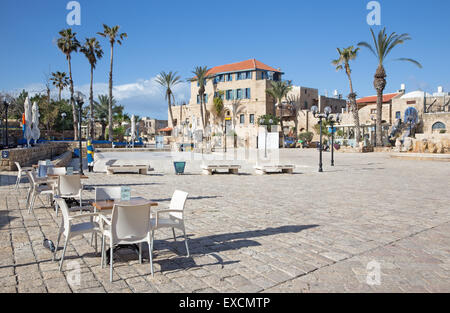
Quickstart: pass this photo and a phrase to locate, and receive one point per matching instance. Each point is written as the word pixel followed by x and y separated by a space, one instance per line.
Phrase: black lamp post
pixel 79 98
pixel 332 121
pixel 321 116
pixel 63 116
pixel 6 105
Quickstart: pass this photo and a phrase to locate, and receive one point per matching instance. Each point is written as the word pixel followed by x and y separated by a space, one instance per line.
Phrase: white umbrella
pixel 35 132
pixel 28 120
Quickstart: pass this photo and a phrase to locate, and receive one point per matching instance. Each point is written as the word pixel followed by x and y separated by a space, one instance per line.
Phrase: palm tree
pixel 93 52
pixel 168 81
pixel 101 111
pixel 382 46
pixel 201 74
pixel 60 81
pixel 112 33
pixel 68 44
pixel 279 90
pixel 345 56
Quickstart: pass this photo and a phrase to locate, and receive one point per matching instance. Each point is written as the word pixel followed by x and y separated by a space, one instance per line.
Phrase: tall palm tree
pixel 201 74
pixel 60 81
pixel 343 63
pixel 101 111
pixel 168 81
pixel 382 46
pixel 68 44
pixel 279 90
pixel 93 52
pixel 113 35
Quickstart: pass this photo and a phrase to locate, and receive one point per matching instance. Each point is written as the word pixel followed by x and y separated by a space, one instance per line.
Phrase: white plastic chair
pixel 69 186
pixel 175 218
pixel 71 230
pixel 38 187
pixel 129 224
pixel 21 172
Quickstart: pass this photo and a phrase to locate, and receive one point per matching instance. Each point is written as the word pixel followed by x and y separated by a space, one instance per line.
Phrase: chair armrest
pixel 104 219
pixel 82 215
pixel 158 212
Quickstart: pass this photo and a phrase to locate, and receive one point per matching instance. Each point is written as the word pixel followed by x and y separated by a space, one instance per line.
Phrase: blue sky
pixel 300 37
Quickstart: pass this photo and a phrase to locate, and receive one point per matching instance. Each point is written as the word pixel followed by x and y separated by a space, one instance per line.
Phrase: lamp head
pixel 327 111
pixel 314 109
pixel 79 97
pixel 270 121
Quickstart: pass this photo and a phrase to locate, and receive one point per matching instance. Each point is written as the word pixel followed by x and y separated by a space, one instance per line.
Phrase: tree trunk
pixel 60 90
pixel 72 102
pixel 379 84
pixel 201 111
pixel 103 130
pixel 169 103
pixel 354 106
pixel 110 120
pixel 91 100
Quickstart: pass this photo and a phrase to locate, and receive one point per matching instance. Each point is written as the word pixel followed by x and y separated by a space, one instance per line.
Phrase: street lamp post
pixel 332 122
pixel 63 116
pixel 79 98
pixel 6 105
pixel 327 117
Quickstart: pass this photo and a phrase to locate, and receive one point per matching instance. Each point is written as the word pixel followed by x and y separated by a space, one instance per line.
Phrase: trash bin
pixel 179 167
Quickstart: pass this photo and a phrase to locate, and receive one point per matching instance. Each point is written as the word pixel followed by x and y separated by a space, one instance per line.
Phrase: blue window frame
pixel 248 75
pixel 198 99
pixel 229 94
pixel 398 115
pixel 229 77
pixel 252 119
pixel 247 93
pixel 238 94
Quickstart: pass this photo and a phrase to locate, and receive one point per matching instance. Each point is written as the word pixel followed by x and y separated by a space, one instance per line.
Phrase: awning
pixel 167 129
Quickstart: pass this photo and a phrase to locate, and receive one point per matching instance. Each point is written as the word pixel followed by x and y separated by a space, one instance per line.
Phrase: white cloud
pixel 145 97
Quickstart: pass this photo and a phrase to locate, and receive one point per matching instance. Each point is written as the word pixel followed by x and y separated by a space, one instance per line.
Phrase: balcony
pixel 286 111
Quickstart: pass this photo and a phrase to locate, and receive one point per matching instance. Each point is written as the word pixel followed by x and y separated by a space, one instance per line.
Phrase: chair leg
pixel 174 237
pixel 111 261
pixel 150 253
pixel 31 207
pixel 140 253
pixel 28 197
pixel 103 252
pixel 63 253
pixel 18 181
pixel 57 244
pixel 96 248
pixel 186 242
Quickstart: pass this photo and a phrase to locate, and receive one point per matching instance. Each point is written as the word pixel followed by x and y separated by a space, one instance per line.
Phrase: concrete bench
pixel 211 169
pixel 264 169
pixel 128 168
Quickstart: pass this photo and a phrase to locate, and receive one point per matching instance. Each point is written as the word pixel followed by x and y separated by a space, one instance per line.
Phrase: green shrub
pixel 306 136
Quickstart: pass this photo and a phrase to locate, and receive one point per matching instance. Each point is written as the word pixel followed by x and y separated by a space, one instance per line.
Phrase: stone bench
pixel 264 169
pixel 128 168
pixel 211 169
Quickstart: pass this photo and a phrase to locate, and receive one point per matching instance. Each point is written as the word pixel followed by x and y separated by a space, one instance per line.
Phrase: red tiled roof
pixel 373 99
pixel 251 64
pixel 167 129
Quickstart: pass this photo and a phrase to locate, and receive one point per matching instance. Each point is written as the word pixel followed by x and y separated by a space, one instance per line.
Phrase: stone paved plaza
pixel 306 232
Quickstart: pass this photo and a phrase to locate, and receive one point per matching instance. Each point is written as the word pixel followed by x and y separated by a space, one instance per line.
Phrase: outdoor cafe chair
pixel 129 224
pixel 21 172
pixel 38 187
pixel 69 186
pixel 175 217
pixel 69 229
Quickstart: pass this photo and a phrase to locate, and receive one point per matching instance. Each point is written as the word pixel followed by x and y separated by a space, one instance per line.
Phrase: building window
pixel 229 77
pixel 239 94
pixel 247 93
pixel 438 127
pixel 263 75
pixel 305 106
pixel 398 115
pixel 242 119
pixel 373 111
pixel 229 95
pixel 198 99
pixel 205 98
pixel 252 118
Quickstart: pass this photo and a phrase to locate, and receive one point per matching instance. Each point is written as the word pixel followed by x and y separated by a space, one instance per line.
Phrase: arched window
pixel 438 126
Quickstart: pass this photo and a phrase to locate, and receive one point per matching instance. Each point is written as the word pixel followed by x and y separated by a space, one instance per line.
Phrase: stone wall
pixel 30 156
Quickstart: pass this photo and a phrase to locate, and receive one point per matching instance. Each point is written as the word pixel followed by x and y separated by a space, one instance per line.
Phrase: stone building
pixel 148 127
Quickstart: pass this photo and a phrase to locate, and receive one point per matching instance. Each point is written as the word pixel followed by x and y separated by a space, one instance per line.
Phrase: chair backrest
pixel 107 193
pixel 65 213
pixel 177 203
pixel 130 223
pixel 19 168
pixel 69 184
pixel 56 171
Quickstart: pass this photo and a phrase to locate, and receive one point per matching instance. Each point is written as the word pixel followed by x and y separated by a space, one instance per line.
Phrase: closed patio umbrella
pixel 35 132
pixel 28 121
